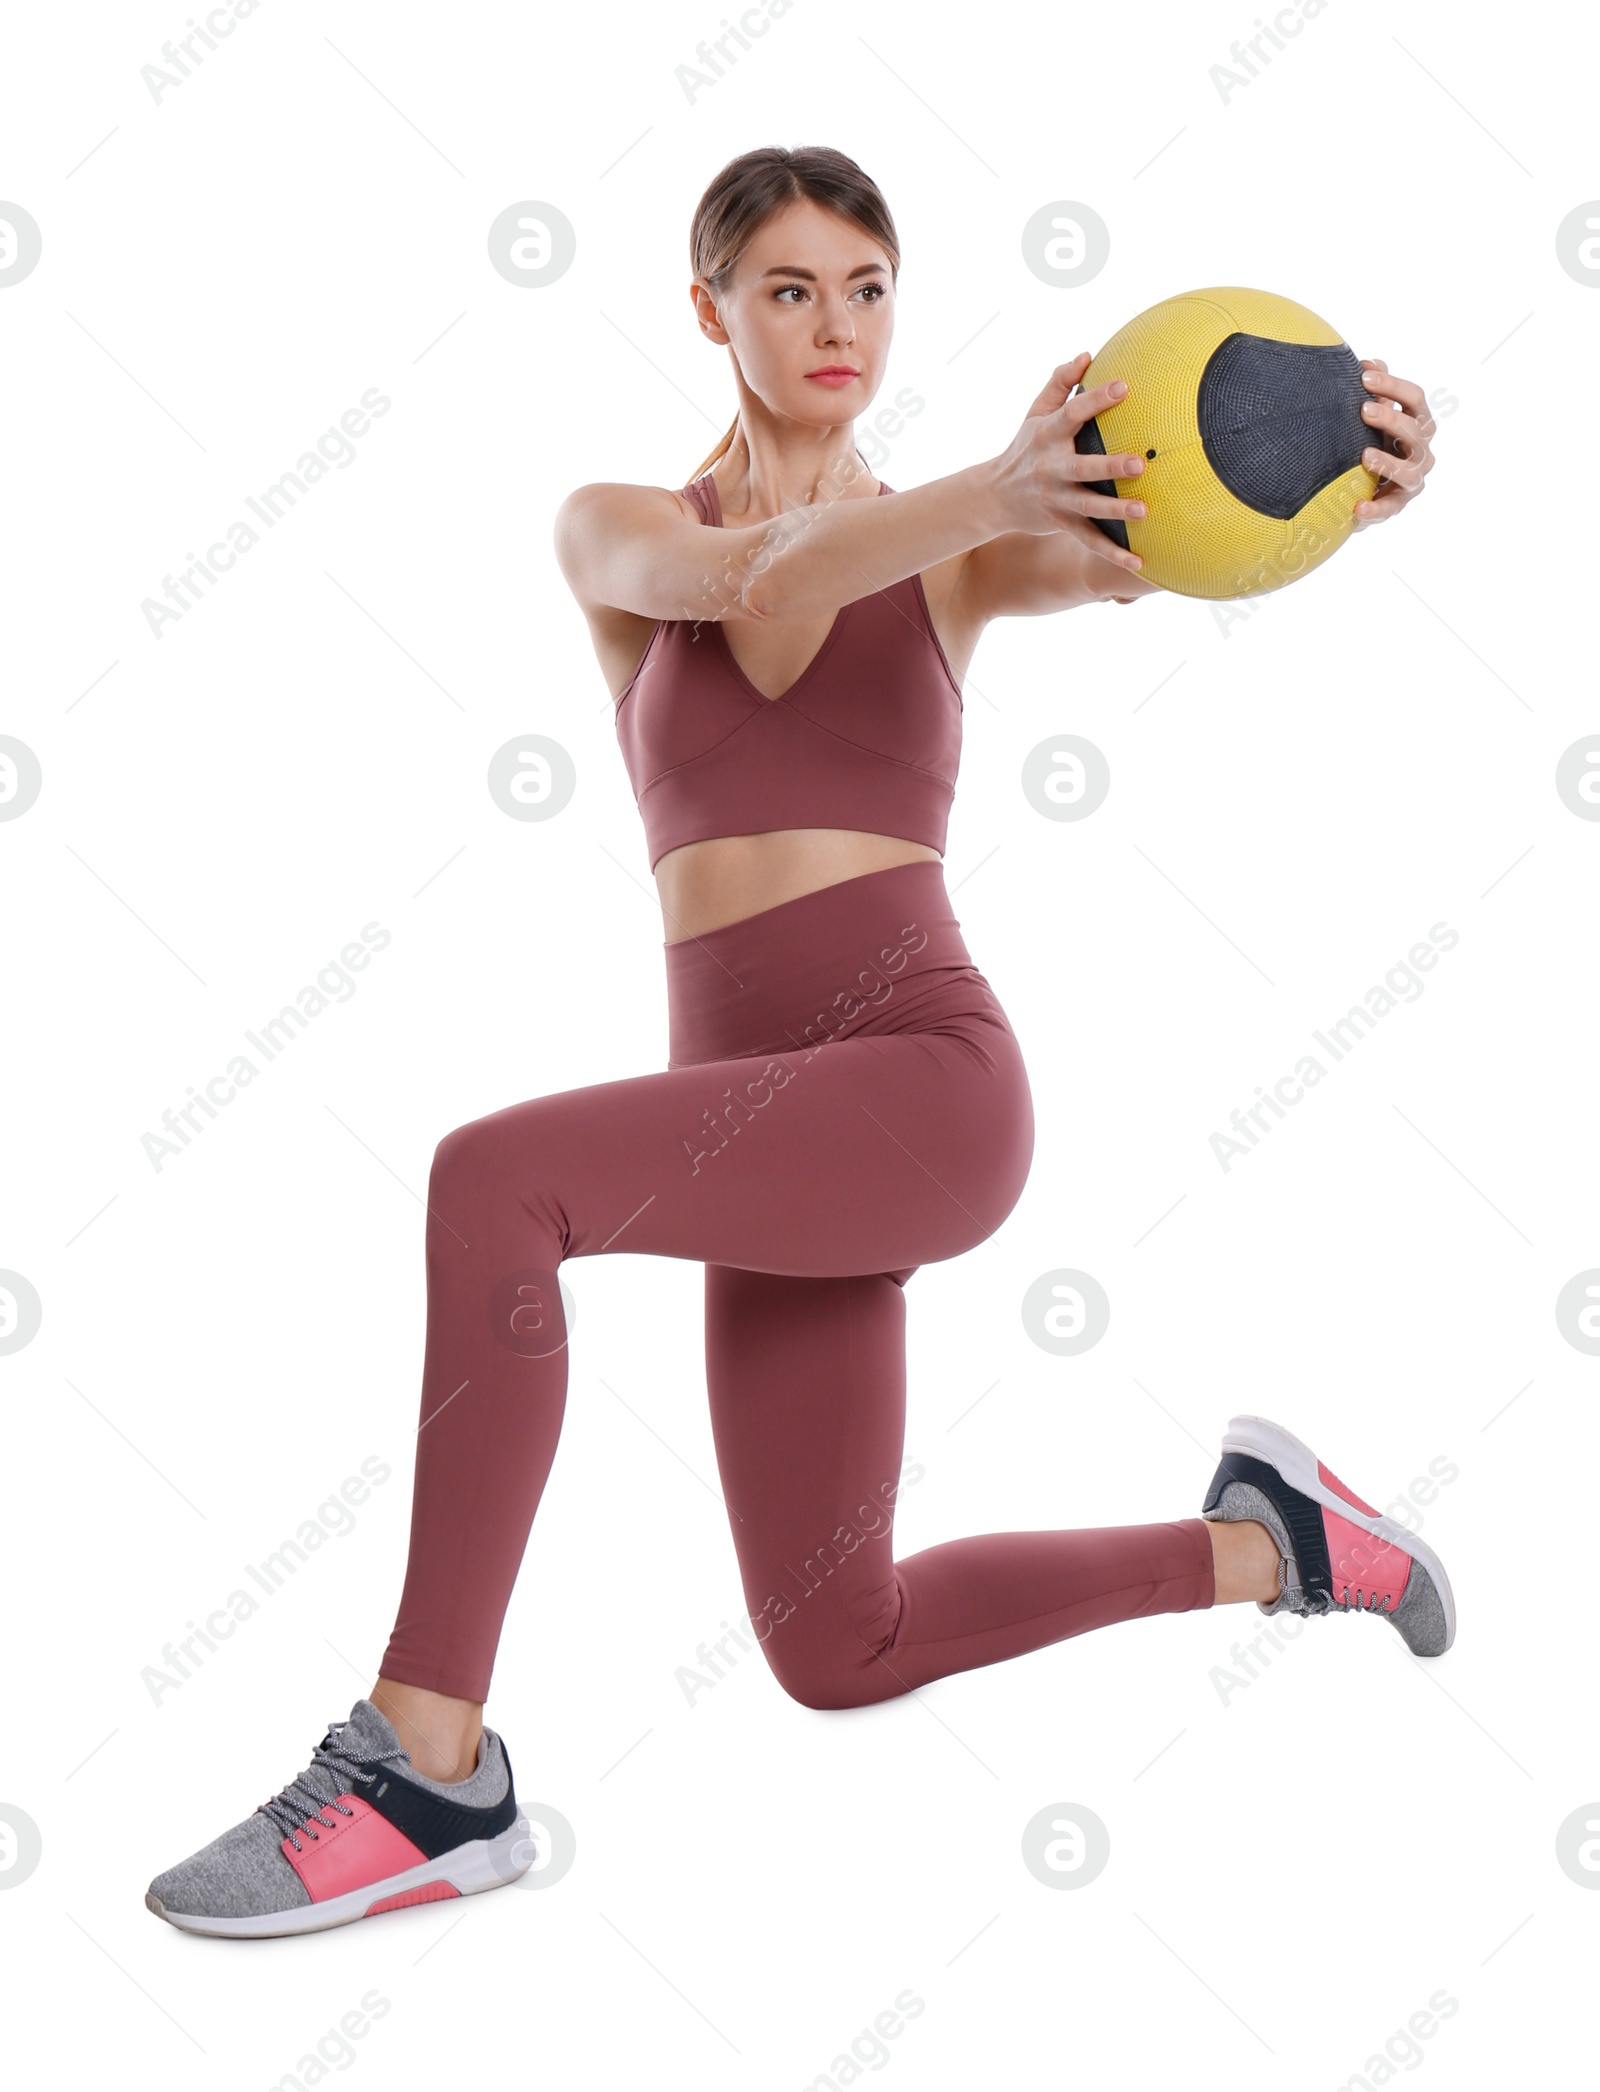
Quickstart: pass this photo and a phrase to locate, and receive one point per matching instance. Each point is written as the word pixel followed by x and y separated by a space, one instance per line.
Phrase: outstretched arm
pixel 633 548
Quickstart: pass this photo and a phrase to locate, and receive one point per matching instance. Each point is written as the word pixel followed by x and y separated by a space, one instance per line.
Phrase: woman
pixel 844 1098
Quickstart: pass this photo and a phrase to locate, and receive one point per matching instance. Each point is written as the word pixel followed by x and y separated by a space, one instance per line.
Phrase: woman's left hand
pixel 1398 412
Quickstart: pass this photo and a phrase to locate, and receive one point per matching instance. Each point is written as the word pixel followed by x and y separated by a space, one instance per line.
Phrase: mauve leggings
pixel 844 1101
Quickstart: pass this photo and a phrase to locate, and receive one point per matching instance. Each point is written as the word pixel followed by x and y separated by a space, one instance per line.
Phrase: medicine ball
pixel 1247 411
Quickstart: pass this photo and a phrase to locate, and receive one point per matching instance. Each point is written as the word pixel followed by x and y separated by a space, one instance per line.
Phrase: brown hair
pixel 757 185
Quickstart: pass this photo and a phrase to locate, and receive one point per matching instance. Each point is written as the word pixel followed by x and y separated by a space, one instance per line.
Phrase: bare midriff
pixel 722 880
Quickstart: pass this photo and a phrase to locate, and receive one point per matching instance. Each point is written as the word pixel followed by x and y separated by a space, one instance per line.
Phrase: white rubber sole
pixel 485 1863
pixel 1264 1440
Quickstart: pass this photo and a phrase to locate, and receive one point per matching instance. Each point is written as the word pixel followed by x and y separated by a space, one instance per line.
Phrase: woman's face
pixel 811 293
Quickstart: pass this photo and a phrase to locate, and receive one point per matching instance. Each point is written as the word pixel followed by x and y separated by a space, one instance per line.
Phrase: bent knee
pixel 501 1177
pixel 460 1154
pixel 828 1693
pixel 829 1677
pixel 475 1151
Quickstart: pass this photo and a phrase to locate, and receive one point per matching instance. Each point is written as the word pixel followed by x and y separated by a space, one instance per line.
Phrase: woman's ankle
pixel 439 1733
pixel 1245 1560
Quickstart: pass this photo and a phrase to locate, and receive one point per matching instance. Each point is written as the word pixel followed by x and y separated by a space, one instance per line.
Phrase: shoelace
pixel 1372 1603
pixel 334 1762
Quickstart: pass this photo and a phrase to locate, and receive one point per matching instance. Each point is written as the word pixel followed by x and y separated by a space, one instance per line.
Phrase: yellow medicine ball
pixel 1247 411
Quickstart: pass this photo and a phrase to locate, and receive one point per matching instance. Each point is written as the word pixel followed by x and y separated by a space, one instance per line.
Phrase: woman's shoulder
pixel 620 499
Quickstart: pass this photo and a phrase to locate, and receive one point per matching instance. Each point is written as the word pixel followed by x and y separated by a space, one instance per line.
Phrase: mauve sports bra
pixel 868 736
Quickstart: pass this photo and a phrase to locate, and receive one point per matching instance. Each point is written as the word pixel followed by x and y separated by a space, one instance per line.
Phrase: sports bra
pixel 868 736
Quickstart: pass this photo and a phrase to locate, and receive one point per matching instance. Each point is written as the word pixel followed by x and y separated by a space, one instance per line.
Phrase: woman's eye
pixel 876 288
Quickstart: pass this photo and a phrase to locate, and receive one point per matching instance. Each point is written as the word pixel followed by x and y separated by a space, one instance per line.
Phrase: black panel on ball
pixel 1280 420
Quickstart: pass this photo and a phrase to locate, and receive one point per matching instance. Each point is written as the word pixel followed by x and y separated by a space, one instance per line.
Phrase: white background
pixel 1294 1871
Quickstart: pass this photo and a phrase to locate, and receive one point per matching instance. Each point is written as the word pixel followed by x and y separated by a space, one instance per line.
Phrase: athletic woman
pixel 844 1099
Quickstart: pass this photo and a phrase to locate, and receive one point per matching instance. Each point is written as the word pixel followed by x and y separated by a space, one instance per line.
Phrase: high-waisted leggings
pixel 844 1101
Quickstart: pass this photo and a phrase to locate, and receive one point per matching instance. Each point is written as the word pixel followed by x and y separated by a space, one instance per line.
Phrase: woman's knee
pixel 810 1686
pixel 458 1165
pixel 476 1149
pixel 831 1691
pixel 828 1671
pixel 502 1167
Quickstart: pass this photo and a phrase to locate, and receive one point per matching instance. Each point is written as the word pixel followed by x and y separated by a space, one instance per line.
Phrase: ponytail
pixel 721 450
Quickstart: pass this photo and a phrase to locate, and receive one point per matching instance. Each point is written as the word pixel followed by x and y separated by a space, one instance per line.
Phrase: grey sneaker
pixel 356 1833
pixel 1336 1553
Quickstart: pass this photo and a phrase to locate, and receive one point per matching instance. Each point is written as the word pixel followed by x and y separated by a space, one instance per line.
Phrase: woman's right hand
pixel 1041 476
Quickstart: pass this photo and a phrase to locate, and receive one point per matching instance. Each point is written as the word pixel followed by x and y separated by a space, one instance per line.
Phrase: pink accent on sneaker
pixel 1361 1562
pixel 1331 1481
pixel 362 1848
pixel 431 1892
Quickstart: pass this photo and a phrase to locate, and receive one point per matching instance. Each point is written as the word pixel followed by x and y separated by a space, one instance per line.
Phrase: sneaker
pixel 356 1833
pixel 1336 1553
